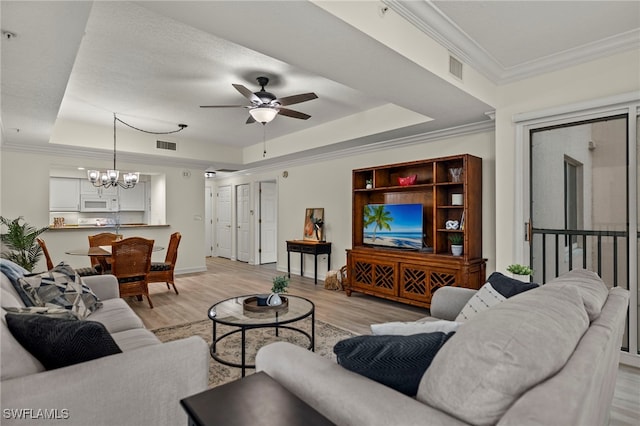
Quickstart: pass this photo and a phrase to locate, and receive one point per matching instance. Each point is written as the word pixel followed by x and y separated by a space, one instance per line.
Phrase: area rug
pixel 327 336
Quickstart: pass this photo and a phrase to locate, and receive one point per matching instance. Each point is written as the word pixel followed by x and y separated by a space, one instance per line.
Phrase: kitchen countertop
pixel 132 225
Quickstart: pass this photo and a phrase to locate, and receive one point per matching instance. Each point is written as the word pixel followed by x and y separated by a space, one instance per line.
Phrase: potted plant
pixel 456 240
pixel 19 243
pixel 280 284
pixel 522 272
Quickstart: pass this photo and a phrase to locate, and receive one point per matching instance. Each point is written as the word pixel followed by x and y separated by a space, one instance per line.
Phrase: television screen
pixel 393 225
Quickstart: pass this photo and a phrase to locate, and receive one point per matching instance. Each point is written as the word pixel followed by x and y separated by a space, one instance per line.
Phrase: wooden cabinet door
pixel 374 275
pixel 419 282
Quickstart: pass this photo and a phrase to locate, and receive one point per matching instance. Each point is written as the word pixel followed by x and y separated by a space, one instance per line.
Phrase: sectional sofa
pixel 547 356
pixel 142 385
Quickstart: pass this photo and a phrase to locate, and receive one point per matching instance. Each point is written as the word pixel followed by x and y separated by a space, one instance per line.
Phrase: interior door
pixel 223 223
pixel 242 221
pixel 208 221
pixel 268 221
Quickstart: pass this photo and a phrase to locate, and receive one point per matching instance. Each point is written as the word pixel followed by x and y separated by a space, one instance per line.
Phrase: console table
pixel 308 247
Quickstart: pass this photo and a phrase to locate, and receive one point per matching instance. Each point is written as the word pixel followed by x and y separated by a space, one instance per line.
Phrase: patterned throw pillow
pixel 398 362
pixel 62 288
pixel 497 289
pixel 59 342
pixel 50 312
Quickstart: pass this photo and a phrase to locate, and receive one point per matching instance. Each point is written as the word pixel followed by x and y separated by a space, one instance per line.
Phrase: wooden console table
pixel 308 247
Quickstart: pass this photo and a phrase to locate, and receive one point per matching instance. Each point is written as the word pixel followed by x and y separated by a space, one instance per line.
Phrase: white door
pixel 208 221
pixel 242 221
pixel 268 223
pixel 223 224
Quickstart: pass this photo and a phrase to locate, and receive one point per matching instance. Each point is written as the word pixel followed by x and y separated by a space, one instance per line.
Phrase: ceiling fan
pixel 265 106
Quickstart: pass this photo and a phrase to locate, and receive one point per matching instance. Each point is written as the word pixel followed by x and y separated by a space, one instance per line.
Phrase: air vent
pixel 455 67
pixel 170 146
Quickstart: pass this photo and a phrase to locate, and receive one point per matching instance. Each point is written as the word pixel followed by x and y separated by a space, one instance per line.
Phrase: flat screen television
pixel 393 225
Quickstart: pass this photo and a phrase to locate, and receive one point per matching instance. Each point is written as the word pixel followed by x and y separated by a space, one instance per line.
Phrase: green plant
pixel 280 284
pixel 456 239
pixel 19 243
pixel 519 269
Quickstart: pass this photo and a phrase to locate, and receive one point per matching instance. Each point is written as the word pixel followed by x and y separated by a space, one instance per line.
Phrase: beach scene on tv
pixel 393 225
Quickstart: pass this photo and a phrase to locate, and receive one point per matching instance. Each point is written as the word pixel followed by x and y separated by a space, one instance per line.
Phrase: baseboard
pixel 180 271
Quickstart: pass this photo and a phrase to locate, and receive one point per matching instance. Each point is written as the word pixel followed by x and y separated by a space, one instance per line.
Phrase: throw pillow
pixel 45 310
pixel 497 289
pixel 60 287
pixel 484 298
pixel 395 361
pixel 491 361
pixel 507 286
pixel 592 289
pixel 59 342
pixel 408 328
pixel 14 272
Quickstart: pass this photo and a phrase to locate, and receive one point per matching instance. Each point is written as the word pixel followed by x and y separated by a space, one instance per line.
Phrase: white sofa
pixel 142 385
pixel 548 356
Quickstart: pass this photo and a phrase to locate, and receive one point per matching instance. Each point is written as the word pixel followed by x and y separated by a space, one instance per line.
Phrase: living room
pixel 322 178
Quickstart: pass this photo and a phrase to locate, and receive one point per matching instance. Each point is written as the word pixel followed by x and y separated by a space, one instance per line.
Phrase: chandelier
pixel 110 177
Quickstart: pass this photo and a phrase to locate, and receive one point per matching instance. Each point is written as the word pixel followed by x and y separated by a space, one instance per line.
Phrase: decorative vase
pixel 456 250
pixel 261 299
pixel 274 300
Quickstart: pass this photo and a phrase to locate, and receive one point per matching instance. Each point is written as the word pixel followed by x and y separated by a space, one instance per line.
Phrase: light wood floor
pixel 225 278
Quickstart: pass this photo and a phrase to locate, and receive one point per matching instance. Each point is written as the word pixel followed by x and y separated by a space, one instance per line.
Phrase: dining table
pixel 99 251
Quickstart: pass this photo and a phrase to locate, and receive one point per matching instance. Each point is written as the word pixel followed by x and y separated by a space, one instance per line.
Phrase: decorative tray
pixel 251 304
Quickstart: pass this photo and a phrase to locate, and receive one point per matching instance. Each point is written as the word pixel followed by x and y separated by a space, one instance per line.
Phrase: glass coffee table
pixel 242 314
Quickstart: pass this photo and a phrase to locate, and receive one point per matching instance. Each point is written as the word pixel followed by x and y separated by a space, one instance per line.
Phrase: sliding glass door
pixel 582 200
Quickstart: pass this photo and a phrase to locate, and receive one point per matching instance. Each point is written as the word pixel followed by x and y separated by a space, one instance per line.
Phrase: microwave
pixel 93 203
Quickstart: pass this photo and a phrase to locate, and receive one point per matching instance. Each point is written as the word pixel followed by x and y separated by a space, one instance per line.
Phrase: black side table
pixel 256 400
pixel 308 247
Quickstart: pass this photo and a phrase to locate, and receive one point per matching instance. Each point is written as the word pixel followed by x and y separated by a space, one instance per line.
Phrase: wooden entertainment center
pixel 411 276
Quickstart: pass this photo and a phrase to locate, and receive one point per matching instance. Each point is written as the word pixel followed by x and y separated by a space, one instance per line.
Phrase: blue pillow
pixel 14 272
pixel 509 287
pixel 395 361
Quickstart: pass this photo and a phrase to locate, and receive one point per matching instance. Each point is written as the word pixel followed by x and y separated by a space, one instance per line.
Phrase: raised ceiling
pixel 155 63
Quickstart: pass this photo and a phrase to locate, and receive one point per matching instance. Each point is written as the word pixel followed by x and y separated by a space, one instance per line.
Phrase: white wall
pixel 327 184
pixel 602 78
pixel 24 187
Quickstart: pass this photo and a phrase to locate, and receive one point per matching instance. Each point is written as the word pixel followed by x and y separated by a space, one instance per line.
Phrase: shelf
pixel 412 276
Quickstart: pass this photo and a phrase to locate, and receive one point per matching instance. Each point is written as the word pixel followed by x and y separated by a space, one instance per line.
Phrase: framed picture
pixel 314 224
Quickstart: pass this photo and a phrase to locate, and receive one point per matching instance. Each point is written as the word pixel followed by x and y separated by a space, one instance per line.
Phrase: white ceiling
pixel 155 63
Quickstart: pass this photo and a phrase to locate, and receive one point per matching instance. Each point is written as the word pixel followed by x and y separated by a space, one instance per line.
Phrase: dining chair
pixel 163 271
pixel 130 263
pixel 102 263
pixel 83 272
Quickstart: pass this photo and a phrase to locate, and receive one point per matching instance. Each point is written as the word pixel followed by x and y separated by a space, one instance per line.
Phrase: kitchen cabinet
pixel 87 188
pixel 133 199
pixel 64 195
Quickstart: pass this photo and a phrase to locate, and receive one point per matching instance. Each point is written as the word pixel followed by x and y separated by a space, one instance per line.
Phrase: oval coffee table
pixel 232 312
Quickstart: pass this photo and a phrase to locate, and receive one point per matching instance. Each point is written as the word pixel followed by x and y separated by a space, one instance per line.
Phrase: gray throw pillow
pixel 395 361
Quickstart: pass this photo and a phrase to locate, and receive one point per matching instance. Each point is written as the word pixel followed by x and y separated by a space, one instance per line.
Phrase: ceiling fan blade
pixel 223 106
pixel 293 114
pixel 296 99
pixel 250 120
pixel 247 93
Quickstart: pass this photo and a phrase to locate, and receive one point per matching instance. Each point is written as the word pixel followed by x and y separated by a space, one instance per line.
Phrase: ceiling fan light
pixel 263 114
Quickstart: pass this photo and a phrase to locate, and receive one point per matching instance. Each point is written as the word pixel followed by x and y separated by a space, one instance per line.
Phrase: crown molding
pixel 425 16
pixel 326 153
pixel 318 155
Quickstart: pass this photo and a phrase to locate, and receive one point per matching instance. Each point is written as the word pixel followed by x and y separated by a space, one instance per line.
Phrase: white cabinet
pixel 64 195
pixel 132 199
pixel 87 188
